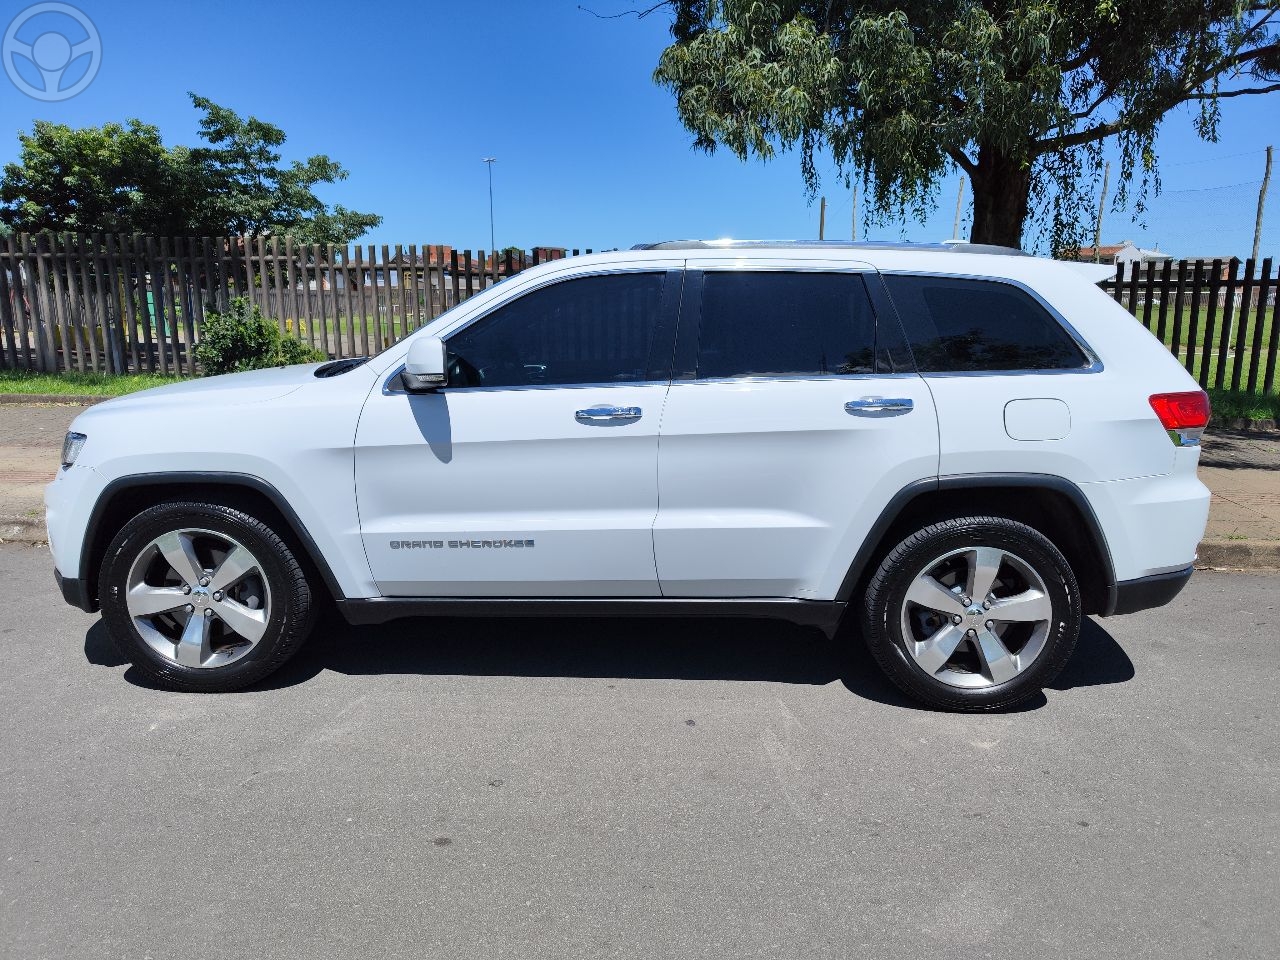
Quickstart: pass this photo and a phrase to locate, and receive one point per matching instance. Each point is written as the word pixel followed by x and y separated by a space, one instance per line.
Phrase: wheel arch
pixel 1054 506
pixel 125 497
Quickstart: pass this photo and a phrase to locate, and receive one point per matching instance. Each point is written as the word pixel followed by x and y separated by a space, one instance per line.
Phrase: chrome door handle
pixel 597 414
pixel 877 404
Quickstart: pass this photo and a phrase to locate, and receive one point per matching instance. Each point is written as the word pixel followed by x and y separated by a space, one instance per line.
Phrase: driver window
pixel 586 330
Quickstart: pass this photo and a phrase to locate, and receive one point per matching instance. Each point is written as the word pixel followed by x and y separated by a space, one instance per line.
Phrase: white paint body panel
pixel 284 426
pixel 743 488
pixel 507 464
pixel 769 487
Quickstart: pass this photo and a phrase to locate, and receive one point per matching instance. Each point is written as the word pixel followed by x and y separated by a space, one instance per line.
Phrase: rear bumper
pixel 75 592
pixel 1130 596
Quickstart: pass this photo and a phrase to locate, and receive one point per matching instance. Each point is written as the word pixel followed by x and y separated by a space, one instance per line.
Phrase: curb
pixel 1248 426
pixel 1239 554
pixel 22 530
pixel 51 398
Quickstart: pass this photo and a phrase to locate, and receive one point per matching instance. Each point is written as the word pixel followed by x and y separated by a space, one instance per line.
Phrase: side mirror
pixel 424 367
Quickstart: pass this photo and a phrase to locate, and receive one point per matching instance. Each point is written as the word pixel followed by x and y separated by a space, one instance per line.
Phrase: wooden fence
pixel 120 304
pixel 1219 320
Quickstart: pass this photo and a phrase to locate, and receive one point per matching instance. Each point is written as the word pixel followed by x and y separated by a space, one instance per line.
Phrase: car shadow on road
pixel 688 649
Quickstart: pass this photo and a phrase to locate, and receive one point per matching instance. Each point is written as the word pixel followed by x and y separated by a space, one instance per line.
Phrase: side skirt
pixel 823 614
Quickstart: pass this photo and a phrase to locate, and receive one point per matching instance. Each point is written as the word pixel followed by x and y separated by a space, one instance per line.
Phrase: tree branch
pixel 962 161
pixel 639 14
pixel 1235 93
pixel 1097 132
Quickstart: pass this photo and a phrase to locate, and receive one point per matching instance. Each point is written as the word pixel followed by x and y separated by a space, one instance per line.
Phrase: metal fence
pixel 1218 317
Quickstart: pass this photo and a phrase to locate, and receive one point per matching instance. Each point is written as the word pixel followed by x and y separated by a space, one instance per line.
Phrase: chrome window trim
pixel 1095 364
pixel 391 386
pixel 803 377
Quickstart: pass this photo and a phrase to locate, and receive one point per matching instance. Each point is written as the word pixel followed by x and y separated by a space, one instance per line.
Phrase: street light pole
pixel 490 161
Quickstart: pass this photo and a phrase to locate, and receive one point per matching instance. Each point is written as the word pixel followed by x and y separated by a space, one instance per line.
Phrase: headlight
pixel 71 447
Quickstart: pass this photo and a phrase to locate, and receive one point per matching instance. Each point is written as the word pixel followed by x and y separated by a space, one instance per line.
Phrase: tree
pixel 118 178
pixel 1020 95
pixel 250 192
pixel 111 178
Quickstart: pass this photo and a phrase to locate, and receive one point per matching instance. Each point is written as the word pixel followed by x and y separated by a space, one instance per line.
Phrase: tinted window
pixel 779 324
pixel 979 325
pixel 588 330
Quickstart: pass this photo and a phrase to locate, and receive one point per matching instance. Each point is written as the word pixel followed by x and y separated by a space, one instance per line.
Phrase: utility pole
pixel 822 219
pixel 955 229
pixel 1262 199
pixel 854 217
pixel 1102 201
pixel 490 161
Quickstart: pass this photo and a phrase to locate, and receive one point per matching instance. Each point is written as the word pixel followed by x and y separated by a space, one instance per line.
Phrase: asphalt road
pixel 611 789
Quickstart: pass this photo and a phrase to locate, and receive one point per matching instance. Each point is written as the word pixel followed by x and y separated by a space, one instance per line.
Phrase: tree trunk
pixel 1001 189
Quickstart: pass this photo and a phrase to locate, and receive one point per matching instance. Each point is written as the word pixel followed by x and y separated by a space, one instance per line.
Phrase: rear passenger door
pixel 793 418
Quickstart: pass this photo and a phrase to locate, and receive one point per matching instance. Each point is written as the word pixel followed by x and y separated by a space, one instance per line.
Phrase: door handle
pixel 597 414
pixel 878 404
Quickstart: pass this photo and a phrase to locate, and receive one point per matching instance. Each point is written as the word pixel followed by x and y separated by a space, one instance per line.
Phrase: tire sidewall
pixel 288 616
pixel 913 555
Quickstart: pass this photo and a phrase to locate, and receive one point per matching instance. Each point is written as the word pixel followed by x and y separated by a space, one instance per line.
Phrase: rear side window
pixel 957 325
pixel 762 324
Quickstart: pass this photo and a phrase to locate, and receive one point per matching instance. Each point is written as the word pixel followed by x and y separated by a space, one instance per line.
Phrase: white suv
pixel 963 449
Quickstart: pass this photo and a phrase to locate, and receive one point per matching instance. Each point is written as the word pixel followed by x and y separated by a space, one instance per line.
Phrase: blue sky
pixel 409 96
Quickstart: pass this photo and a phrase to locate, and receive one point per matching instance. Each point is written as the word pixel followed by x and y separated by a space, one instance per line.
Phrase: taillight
pixel 1183 415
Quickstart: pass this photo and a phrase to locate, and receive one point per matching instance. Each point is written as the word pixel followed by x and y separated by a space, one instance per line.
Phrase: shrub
pixel 242 339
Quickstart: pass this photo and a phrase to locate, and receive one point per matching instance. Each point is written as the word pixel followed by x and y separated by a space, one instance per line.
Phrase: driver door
pixel 534 472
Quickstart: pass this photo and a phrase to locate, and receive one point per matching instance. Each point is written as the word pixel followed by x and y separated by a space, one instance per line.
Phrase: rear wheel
pixel 973 614
pixel 203 597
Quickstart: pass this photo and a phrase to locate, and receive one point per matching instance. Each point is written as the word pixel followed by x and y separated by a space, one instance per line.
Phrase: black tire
pixel 886 609
pixel 289 612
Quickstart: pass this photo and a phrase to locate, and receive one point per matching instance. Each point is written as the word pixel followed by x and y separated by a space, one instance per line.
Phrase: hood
pixel 229 389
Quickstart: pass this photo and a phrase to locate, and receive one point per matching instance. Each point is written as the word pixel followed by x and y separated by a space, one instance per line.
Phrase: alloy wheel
pixel 198 598
pixel 976 617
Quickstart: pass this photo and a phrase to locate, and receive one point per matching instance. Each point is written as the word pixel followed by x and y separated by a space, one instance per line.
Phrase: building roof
pixel 1104 251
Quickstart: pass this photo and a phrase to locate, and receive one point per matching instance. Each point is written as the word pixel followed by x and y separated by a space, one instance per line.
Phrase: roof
pixel 950 247
pixel 1103 251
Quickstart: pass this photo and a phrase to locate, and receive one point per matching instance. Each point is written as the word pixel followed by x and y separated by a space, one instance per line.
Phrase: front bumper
pixel 75 592
pixel 1130 596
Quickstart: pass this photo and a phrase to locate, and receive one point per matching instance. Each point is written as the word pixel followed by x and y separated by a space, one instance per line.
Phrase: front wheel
pixel 203 597
pixel 976 613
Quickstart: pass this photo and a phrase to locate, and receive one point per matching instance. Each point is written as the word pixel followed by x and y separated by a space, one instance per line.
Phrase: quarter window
pixel 757 323
pixel 958 325
pixel 587 330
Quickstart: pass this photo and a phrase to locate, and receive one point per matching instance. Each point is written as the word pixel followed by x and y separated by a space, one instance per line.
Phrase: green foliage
pixel 242 339
pixel 1238 404
pixel 118 178
pixel 1019 94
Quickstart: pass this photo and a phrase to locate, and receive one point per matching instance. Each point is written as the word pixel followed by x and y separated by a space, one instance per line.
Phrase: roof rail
pixel 952 246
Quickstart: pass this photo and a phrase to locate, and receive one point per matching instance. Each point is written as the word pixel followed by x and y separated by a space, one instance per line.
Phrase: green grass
pixel 1230 405
pixel 81 384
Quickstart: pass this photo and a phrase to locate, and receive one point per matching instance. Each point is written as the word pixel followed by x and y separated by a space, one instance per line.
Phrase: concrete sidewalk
pixel 1241 468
